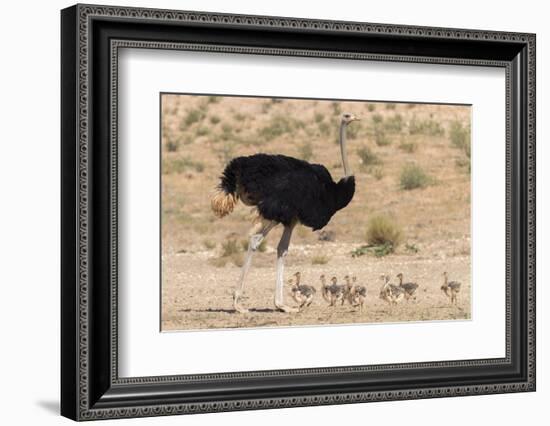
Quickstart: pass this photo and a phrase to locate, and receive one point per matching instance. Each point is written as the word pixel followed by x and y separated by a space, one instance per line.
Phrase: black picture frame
pixel 90 386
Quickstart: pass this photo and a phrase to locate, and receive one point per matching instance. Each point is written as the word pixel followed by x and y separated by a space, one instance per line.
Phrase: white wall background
pixel 29 212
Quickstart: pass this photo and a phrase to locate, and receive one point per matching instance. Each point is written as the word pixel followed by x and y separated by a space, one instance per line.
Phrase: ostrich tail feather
pixel 222 203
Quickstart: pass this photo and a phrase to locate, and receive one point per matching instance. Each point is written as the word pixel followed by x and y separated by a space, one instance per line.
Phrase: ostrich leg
pixel 282 250
pixel 259 233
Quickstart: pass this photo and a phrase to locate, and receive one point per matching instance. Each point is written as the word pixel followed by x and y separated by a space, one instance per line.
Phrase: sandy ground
pixel 197 296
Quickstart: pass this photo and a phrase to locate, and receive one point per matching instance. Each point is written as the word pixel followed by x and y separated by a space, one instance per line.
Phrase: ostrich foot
pixel 237 304
pixel 285 308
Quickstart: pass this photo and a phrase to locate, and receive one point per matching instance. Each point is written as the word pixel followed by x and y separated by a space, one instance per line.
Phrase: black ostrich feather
pixel 285 189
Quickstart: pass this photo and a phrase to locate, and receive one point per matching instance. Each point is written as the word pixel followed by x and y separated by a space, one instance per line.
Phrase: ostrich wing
pixel 305 194
pixel 286 189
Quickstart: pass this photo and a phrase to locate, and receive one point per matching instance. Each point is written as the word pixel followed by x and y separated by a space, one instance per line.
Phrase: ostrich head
pixel 322 278
pixel 333 280
pixel 354 279
pixel 348 118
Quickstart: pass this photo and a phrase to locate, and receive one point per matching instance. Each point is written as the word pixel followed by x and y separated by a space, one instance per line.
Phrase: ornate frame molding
pixel 82 17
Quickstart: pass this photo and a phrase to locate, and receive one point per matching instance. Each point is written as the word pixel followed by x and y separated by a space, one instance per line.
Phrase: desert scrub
pixel 192 117
pixel 324 128
pixel 203 131
pixel 383 236
pixel 460 137
pixel 213 99
pixel 352 132
pixel 319 259
pixel 172 144
pixel 371 107
pixel 408 147
pixel 367 157
pixel 277 126
pixel 381 138
pixel 336 108
pixel 426 127
pixel 214 119
pixel 377 119
pixel 181 165
pixel 413 177
pixel 394 124
pixel 319 117
pixel 381 229
pixel 209 245
pixel 377 172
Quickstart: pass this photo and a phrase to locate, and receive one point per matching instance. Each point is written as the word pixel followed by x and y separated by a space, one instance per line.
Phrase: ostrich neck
pixel 347 171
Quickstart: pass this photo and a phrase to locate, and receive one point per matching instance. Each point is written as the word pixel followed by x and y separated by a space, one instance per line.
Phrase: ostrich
pixel 450 288
pixel 410 288
pixel 359 294
pixel 301 293
pixel 284 191
pixel 390 293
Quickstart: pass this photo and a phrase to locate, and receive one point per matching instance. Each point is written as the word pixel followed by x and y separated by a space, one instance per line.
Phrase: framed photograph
pixel 263 212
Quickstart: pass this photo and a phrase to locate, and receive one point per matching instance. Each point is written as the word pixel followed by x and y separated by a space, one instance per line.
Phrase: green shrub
pixel 203 131
pixel 371 107
pixel 172 144
pixel 368 158
pixel 209 245
pixel 213 99
pixel 427 127
pixel 390 106
pixel 214 119
pixel 193 116
pixel 412 177
pixel 353 130
pixel 409 147
pixel 324 128
pixel 394 124
pixel 336 108
pixel 377 172
pixel 381 138
pixel 382 230
pixel 180 165
pixel 319 117
pixel 278 126
pixel 460 137
pixel 320 259
pixel 377 119
pixel 230 247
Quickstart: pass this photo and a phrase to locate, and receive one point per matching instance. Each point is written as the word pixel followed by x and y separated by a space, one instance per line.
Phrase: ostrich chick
pixel 357 294
pixel 335 292
pixel 450 288
pixel 392 294
pixel 409 288
pixel 301 293
pixel 325 289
